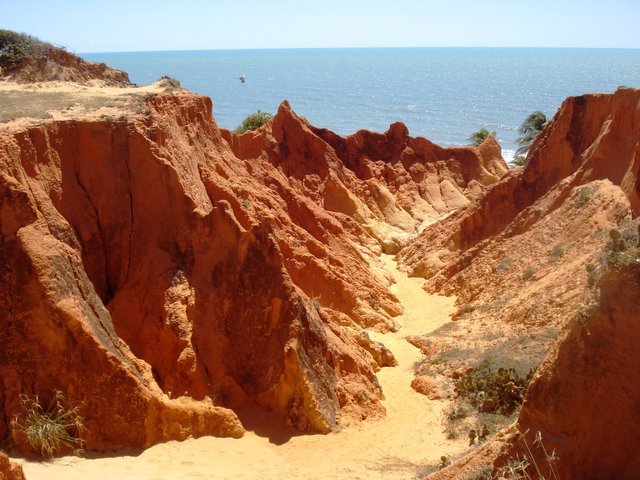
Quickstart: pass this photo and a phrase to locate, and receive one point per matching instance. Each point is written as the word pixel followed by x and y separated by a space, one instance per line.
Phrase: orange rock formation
pixel 9 470
pixel 44 62
pixel 535 254
pixel 163 273
pixel 584 400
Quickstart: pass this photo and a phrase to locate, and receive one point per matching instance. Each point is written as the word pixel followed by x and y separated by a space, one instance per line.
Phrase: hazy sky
pixel 133 25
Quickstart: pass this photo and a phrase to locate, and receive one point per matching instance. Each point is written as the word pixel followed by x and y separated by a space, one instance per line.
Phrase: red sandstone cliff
pixel 56 332
pixel 159 270
pixel 580 179
pixel 553 247
pixel 577 147
pixel 164 273
pixel 584 399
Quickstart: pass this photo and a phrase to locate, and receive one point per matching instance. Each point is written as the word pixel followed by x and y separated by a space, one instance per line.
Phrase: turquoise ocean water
pixel 443 94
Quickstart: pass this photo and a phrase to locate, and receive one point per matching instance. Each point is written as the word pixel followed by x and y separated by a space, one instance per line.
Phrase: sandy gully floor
pixel 392 448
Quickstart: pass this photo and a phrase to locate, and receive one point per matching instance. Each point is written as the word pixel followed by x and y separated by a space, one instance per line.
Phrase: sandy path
pixel 391 448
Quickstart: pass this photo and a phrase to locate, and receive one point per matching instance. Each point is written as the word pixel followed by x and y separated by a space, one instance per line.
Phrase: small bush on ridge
pixel 253 121
pixel 479 136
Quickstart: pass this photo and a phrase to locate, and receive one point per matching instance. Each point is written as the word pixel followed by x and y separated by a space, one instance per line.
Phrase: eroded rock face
pixel 57 333
pixel 584 399
pixel 48 63
pixel 579 181
pixel 159 270
pixel 533 257
pixel 10 470
pixel 404 180
pixel 178 277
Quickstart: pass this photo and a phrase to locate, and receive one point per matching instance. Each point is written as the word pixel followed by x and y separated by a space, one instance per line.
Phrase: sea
pixel 443 94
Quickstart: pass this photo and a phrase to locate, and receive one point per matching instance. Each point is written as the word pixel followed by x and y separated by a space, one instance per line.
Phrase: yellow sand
pixel 28 104
pixel 392 448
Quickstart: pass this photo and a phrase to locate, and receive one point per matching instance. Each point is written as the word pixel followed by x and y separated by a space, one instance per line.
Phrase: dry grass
pixel 51 430
pixel 37 105
pixel 526 467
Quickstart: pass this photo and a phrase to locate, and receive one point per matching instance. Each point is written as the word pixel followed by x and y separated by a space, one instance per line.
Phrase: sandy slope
pixel 394 447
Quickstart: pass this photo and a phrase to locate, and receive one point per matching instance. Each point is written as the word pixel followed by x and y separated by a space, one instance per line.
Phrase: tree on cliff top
pixel 529 130
pixel 253 121
pixel 476 138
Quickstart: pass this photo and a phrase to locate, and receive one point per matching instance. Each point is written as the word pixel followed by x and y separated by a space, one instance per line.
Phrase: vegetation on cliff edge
pixel 19 48
pixel 479 136
pixel 253 121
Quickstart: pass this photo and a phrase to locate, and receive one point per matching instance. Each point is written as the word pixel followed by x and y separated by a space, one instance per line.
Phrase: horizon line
pixel 360 48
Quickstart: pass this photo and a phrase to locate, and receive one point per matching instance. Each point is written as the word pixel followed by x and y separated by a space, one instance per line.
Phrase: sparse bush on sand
pixel 253 121
pixel 169 81
pixel 623 247
pixel 528 273
pixel 49 430
pixel 494 391
pixel 556 253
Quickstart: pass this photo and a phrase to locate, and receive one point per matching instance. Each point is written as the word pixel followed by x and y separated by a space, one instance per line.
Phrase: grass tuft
pixel 51 430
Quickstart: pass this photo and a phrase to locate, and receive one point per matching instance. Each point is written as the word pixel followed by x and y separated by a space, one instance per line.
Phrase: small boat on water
pixel 242 78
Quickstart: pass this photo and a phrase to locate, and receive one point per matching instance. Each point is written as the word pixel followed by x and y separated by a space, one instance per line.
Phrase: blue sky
pixel 117 25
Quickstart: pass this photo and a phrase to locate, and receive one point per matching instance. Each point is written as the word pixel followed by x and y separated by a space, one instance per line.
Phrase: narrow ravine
pixel 391 448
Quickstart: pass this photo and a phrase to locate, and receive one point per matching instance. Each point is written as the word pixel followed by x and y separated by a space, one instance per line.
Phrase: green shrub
pixel 253 121
pixel 49 430
pixel 17 48
pixel 476 138
pixel 584 194
pixel 494 391
pixel 13 49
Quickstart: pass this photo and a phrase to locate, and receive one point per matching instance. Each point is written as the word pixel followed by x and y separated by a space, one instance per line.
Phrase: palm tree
pixel 476 138
pixel 518 161
pixel 529 130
